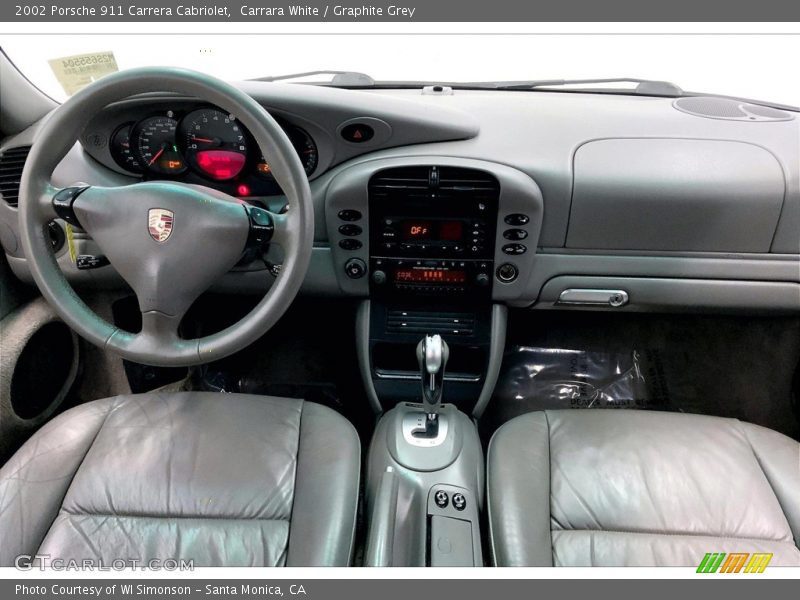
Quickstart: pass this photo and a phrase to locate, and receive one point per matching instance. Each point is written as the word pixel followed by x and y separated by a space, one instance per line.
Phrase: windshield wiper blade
pixel 644 86
pixel 340 78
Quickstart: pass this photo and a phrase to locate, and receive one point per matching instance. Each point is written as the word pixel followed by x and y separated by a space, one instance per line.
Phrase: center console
pixel 435 249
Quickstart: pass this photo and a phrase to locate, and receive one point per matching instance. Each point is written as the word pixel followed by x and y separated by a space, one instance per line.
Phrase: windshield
pixel 749 66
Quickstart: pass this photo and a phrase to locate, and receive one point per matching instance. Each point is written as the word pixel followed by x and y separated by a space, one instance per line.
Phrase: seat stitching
pixel 177 517
pixel 550 478
pixel 294 486
pixel 111 408
pixel 668 534
pixel 743 431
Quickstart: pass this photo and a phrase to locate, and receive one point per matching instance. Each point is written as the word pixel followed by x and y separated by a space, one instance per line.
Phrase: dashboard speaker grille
pixel 729 109
pixel 422 322
pixel 12 161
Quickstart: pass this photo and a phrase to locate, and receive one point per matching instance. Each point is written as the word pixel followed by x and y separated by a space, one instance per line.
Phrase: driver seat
pixel 223 480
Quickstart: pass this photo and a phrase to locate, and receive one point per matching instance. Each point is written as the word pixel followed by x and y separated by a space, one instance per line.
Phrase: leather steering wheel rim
pixel 158 344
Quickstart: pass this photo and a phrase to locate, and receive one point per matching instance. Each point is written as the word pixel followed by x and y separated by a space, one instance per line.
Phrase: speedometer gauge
pixel 215 143
pixel 155 141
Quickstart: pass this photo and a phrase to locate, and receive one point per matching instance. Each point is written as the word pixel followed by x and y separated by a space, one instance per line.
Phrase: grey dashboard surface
pixel 735 182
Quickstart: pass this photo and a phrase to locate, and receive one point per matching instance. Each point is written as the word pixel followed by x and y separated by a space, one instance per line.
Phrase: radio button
pixel 517 219
pixel 350 230
pixel 349 244
pixel 378 277
pixel 515 234
pixel 349 215
pixel 514 249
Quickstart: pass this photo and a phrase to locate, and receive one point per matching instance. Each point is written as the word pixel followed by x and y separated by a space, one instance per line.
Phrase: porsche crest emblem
pixel 159 223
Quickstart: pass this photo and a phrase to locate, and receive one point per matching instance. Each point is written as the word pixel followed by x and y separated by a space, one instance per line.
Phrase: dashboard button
pixel 350 230
pixel 514 249
pixel 349 215
pixel 378 277
pixel 441 499
pixel 515 234
pixel 517 219
pixel 358 133
pixel 355 268
pixel 349 244
pixel 459 501
pixel 507 273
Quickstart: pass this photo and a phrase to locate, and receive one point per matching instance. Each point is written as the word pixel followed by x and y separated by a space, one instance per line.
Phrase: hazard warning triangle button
pixel 357 133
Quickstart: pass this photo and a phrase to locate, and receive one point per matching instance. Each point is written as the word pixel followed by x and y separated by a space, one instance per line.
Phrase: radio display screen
pixel 429 276
pixel 444 231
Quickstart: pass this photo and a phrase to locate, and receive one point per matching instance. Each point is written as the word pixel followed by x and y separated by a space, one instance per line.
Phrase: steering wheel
pixel 169 241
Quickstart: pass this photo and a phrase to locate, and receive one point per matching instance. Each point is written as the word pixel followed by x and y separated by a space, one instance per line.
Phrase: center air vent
pixel 433 182
pixel 729 109
pixel 423 322
pixel 12 162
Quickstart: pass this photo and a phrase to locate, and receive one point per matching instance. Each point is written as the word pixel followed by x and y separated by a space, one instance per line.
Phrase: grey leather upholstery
pixel 228 479
pixel 619 488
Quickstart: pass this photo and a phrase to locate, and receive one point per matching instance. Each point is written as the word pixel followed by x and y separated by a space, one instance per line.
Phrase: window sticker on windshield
pixel 78 71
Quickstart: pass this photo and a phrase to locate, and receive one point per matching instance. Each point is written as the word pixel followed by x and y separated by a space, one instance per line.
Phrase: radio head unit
pixel 432 228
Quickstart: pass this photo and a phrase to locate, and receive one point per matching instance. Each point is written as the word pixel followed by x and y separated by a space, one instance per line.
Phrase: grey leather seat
pixel 616 488
pixel 229 480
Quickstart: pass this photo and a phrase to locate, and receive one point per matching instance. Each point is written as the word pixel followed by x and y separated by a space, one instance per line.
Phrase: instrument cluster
pixel 204 145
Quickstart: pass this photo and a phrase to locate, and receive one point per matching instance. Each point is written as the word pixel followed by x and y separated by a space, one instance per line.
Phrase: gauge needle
pixel 155 158
pixel 202 140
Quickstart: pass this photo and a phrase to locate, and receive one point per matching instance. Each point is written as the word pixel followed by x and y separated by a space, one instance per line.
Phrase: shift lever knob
pixel 432 355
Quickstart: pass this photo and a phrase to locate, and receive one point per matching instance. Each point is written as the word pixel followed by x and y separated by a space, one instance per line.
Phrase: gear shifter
pixel 432 355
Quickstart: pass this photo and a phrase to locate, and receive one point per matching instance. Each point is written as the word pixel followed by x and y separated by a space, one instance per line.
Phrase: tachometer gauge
pixel 121 150
pixel 215 143
pixel 304 146
pixel 157 147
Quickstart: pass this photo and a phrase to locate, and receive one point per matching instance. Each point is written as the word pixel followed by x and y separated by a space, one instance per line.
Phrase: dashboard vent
pixel 422 322
pixel 12 162
pixel 433 182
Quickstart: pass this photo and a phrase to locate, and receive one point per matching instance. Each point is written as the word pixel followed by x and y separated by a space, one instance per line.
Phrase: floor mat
pixel 724 366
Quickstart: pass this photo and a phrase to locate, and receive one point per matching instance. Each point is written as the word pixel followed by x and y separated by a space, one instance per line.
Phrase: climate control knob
pixel 355 268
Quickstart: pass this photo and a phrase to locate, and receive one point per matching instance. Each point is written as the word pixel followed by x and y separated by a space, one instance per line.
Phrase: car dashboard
pixel 536 199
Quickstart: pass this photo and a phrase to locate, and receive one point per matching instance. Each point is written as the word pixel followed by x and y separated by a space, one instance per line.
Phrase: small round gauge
pixel 304 146
pixel 215 143
pixel 155 142
pixel 121 150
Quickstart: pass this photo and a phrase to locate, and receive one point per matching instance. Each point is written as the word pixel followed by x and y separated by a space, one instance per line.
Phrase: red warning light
pixel 243 190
